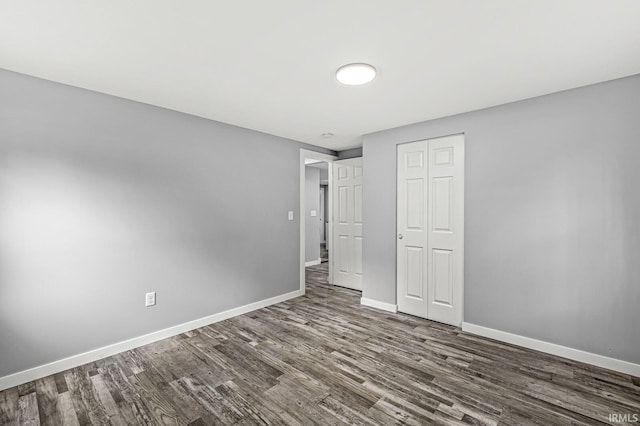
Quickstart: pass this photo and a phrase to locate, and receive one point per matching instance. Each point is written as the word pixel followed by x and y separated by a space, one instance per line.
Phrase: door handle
pixel 400 236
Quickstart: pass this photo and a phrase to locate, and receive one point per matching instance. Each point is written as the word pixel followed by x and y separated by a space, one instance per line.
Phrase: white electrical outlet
pixel 150 299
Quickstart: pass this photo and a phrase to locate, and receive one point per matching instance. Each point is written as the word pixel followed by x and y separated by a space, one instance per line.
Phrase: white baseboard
pixel 389 307
pixel 96 354
pixel 553 349
pixel 313 262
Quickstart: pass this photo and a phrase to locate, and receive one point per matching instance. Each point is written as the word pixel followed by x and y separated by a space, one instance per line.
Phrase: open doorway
pixel 315 207
pixel 324 220
pixel 317 217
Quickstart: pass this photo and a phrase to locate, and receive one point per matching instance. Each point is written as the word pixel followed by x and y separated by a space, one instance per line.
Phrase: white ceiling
pixel 270 65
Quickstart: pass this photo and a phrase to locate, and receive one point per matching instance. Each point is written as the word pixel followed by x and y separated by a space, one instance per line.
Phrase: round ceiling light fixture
pixel 356 74
pixel 327 135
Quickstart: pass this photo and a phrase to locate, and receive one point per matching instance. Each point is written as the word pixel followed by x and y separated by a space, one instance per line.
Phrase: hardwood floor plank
pixel 250 414
pixel 212 401
pixel 76 397
pixel 26 388
pixel 116 385
pixel 271 412
pixel 106 400
pixel 28 414
pixel 250 365
pixel 152 389
pixel 61 383
pixel 302 406
pixel 344 412
pixel 128 400
pixel 191 410
pixel 384 412
pixel 47 397
pixel 88 409
pixel 67 413
pixel 9 406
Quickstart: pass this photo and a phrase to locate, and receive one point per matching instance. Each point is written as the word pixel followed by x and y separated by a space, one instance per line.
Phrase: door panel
pixel 415 273
pixel 412 233
pixel 442 277
pixel 358 263
pixel 342 247
pixel 348 226
pixel 445 209
pixel 442 204
pixel 415 203
pixel 343 173
pixel 430 204
pixel 414 159
pixel 343 205
pixel 443 157
pixel 357 213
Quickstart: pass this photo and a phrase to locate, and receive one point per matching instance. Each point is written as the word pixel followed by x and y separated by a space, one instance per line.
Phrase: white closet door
pixel 411 251
pixel 446 229
pixel 347 223
pixel 431 228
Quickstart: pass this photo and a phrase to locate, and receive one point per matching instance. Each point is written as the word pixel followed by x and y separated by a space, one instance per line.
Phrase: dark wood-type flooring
pixel 325 359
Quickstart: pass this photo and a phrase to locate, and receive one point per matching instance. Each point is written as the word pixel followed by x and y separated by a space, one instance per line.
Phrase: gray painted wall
pixel 312 224
pixel 552 208
pixel 104 199
pixel 324 175
pixel 350 153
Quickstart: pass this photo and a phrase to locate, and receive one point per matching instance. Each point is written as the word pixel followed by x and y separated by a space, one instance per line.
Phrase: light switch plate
pixel 314 213
pixel 290 215
pixel 150 299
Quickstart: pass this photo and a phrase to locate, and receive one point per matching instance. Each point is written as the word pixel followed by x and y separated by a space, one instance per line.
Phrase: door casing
pixel 305 155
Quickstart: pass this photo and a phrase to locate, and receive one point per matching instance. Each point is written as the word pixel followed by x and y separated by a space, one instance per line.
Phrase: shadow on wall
pixel 103 200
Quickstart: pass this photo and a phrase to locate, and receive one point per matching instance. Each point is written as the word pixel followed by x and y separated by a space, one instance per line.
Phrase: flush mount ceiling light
pixel 355 74
pixel 327 135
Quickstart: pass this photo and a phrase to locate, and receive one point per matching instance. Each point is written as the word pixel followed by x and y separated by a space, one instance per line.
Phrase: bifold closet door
pixel 411 268
pixel 347 223
pixel 430 228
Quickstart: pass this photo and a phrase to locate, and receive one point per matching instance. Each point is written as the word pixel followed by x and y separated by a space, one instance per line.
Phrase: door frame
pixel 306 154
pixel 464 198
pixel 322 215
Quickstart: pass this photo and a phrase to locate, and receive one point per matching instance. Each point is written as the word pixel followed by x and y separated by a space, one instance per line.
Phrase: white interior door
pixel 347 223
pixel 430 210
pixel 411 280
